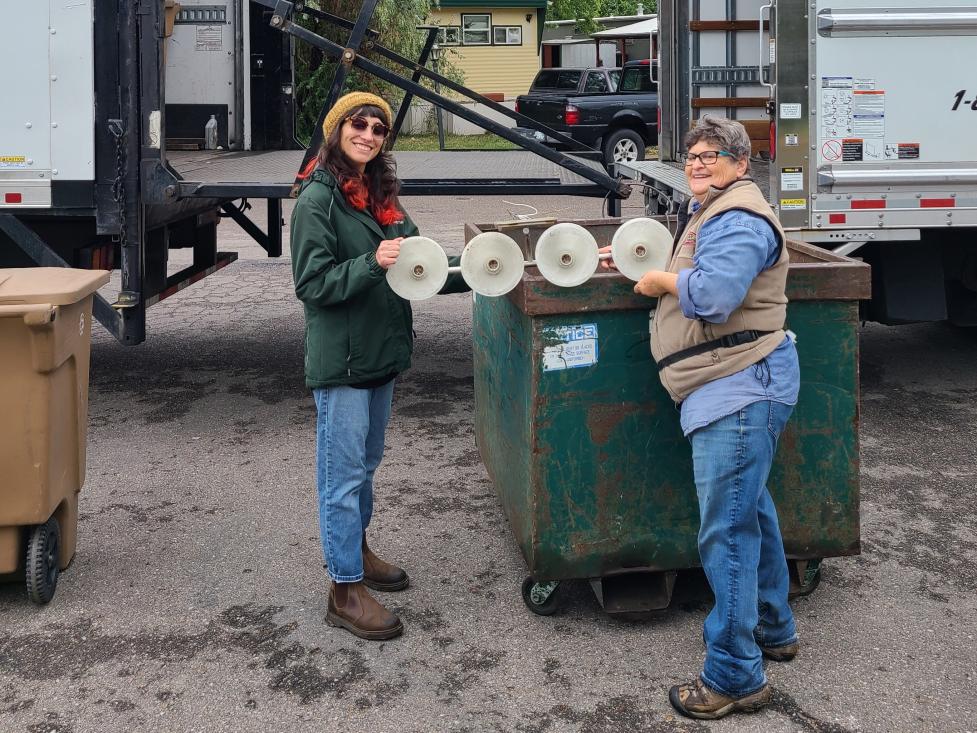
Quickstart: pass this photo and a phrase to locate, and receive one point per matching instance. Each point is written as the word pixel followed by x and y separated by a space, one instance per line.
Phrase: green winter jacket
pixel 356 328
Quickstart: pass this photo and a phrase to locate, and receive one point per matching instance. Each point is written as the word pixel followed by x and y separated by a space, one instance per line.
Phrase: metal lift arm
pixel 281 20
pixel 420 70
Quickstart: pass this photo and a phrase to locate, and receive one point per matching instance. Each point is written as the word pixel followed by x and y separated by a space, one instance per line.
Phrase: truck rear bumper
pixel 24 194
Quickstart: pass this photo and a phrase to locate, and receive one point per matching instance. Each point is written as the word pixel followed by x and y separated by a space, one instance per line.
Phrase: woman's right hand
pixel 388 251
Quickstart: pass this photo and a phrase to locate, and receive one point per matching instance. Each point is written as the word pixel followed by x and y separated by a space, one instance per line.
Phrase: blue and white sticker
pixel 569 347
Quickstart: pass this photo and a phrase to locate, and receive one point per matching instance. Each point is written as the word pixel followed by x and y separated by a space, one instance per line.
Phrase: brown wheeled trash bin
pixel 45 342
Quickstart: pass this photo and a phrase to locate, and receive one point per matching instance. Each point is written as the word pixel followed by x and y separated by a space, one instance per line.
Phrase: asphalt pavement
pixel 197 597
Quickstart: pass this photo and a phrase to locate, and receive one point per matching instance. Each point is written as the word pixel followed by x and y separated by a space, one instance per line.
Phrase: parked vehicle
pixel 620 123
pixel 598 80
pixel 868 134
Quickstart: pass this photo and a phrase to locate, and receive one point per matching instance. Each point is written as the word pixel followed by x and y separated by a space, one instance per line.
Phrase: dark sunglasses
pixel 360 124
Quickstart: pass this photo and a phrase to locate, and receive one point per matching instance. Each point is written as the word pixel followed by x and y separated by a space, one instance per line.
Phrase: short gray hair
pixel 728 135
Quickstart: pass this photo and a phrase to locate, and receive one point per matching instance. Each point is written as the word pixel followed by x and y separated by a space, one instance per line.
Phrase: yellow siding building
pixel 495 45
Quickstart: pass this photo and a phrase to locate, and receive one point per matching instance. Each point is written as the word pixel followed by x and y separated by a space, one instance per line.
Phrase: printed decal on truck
pixel 852 149
pixel 852 109
pixel 13 161
pixel 209 38
pixel 960 99
pixel 569 347
pixel 792 179
pixel 902 151
pixel 790 111
pixel 792 204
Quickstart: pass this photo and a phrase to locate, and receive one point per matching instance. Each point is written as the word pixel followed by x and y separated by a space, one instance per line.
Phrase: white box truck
pixel 108 118
pixel 96 93
pixel 871 114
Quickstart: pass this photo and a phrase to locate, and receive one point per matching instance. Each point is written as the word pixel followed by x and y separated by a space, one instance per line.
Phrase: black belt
pixel 729 340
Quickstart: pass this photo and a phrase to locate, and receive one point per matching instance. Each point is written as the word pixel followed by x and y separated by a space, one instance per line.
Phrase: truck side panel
pixel 25 115
pixel 885 118
pixel 72 85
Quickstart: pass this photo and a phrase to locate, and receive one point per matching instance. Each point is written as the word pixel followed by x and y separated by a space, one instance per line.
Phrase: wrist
pixel 375 267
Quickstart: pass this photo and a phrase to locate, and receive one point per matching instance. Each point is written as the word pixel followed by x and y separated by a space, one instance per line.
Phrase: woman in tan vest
pixel 722 353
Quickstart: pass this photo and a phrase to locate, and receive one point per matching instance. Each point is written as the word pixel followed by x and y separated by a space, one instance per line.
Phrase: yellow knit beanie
pixel 346 104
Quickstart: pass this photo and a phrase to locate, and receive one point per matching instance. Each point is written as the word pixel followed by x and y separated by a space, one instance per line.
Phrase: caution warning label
pixel 852 149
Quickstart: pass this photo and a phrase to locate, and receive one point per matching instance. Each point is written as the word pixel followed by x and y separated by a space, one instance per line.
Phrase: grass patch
pixel 486 141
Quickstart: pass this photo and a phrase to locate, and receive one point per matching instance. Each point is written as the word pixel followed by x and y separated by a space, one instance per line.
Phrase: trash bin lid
pixel 54 285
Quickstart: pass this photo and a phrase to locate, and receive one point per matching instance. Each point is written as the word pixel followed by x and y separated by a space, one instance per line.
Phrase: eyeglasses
pixel 708 157
pixel 360 124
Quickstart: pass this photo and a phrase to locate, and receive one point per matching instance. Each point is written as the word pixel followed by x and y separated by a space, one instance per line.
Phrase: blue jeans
pixel 740 545
pixel 349 445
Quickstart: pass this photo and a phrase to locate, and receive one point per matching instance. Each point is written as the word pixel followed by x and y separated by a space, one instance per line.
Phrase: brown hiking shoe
pixel 353 608
pixel 781 653
pixel 697 700
pixel 381 575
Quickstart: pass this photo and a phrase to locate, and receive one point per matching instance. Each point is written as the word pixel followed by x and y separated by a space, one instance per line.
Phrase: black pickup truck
pixel 620 121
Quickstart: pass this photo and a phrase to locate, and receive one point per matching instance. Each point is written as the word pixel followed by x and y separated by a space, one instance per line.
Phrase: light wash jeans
pixel 740 545
pixel 349 445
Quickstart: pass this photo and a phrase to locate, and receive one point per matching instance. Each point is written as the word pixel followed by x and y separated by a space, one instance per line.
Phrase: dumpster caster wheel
pixel 540 598
pixel 43 556
pixel 805 577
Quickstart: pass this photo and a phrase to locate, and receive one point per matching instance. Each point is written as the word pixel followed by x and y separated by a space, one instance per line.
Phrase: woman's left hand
pixel 656 283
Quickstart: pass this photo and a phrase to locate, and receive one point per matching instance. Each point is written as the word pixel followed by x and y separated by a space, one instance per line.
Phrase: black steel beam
pixel 419 69
pixel 432 37
pixel 477 187
pixel 135 30
pixel 301 7
pixel 616 187
pixel 270 242
pixel 275 223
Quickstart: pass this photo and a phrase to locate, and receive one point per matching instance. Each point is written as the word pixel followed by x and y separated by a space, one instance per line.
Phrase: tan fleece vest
pixel 763 309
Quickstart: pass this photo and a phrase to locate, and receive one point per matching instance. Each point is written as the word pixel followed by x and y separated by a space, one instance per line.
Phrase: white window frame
pixel 487 30
pixel 508 30
pixel 443 35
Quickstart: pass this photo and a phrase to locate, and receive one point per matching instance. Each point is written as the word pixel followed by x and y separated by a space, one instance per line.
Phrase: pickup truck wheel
pixel 624 146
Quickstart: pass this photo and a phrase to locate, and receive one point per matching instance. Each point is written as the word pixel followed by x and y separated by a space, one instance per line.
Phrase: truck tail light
pixel 773 138
pixel 13 198
pixel 517 106
pixel 571 115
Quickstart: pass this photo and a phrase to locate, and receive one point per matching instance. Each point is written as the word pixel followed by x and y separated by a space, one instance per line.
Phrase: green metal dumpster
pixel 584 447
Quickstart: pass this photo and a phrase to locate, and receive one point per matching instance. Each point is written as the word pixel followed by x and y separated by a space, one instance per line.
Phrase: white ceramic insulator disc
pixel 492 263
pixel 566 254
pixel 640 245
pixel 420 271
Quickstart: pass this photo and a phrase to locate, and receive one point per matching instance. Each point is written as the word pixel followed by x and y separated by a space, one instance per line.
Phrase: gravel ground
pixel 196 599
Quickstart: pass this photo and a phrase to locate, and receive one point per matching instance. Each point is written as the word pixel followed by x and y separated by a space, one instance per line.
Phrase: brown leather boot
pixel 353 608
pixel 381 575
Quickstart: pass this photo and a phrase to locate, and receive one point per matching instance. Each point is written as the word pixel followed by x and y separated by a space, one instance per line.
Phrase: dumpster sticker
pixel 569 347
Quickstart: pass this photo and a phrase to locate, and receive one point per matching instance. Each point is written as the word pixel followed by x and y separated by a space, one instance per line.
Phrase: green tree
pixel 396 21
pixel 584 11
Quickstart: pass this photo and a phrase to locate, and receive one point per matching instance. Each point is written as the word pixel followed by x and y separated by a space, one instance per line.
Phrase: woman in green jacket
pixel 346 231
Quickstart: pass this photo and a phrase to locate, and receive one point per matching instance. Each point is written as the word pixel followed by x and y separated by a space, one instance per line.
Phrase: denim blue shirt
pixel 731 250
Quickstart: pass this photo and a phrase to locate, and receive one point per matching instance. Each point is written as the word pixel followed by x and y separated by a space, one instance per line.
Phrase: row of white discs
pixel 492 264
